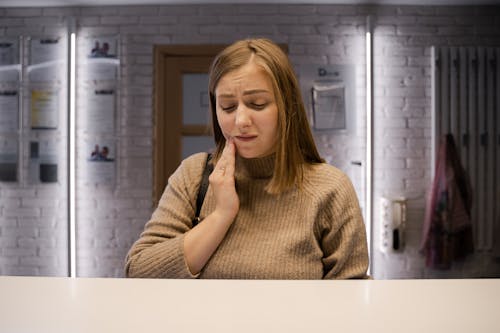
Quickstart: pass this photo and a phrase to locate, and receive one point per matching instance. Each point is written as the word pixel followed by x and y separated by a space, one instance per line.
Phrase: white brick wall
pixel 402 67
pixel 110 218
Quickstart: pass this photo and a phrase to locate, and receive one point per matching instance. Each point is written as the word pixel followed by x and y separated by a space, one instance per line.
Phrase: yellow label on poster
pixel 44 109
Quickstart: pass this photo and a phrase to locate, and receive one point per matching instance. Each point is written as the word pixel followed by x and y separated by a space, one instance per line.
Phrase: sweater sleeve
pixel 159 252
pixel 345 251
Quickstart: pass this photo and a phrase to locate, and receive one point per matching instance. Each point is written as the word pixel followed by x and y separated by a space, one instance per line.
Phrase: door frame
pixel 163 110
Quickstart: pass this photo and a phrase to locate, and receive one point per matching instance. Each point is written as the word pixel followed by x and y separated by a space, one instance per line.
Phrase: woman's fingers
pixel 223 183
pixel 202 241
pixel 229 153
pixel 224 169
pixel 225 165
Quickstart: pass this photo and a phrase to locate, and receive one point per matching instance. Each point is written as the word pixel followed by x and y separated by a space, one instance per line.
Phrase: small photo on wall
pixel 100 166
pixel 103 47
pixel 101 152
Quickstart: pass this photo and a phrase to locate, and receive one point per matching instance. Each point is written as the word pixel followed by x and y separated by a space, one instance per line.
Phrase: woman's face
pixel 247 111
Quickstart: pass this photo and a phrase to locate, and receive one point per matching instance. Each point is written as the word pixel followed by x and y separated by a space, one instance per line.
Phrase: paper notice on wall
pixel 45 50
pixel 9 111
pixel 8 159
pixel 44 108
pixel 100 112
pixel 47 60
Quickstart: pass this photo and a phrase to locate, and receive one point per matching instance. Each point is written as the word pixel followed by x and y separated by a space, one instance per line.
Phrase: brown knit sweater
pixel 316 232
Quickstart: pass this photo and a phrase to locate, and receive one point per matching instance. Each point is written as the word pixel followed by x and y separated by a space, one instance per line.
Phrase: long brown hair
pixel 295 145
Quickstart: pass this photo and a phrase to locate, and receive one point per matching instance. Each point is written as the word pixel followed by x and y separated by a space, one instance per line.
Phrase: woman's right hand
pixel 201 241
pixel 227 203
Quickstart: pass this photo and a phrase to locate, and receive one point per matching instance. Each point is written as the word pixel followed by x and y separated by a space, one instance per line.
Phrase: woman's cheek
pixel 225 125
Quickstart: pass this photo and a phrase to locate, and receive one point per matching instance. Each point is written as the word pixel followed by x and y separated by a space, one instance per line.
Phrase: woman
pixel 274 209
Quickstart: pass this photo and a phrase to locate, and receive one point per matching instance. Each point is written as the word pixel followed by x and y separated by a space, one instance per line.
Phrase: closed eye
pixel 228 108
pixel 258 106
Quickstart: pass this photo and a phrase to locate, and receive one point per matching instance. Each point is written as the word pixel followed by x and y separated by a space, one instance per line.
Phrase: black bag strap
pixel 202 189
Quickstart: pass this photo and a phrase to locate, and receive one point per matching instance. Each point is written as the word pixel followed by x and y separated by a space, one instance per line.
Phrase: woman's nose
pixel 243 118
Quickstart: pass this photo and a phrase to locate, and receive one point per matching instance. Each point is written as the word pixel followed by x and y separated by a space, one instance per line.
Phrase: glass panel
pixel 195 99
pixel 34 156
pixel 196 144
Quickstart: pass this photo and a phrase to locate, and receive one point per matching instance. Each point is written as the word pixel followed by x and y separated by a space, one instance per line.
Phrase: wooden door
pixel 174 66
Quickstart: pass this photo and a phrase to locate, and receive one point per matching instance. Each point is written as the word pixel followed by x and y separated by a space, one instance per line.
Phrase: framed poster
pixel 44 107
pixel 47 59
pixel 102 58
pixel 8 159
pixel 44 50
pixel 9 110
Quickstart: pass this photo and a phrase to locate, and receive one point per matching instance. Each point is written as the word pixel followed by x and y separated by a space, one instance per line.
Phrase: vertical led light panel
pixel 369 136
pixel 72 159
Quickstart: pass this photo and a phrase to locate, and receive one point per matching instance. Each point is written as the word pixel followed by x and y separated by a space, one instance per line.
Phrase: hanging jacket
pixel 447 232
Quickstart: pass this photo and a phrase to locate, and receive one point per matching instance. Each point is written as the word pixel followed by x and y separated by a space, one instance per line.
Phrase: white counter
pixel 52 305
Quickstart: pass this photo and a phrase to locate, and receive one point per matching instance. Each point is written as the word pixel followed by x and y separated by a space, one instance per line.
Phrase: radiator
pixel 466 103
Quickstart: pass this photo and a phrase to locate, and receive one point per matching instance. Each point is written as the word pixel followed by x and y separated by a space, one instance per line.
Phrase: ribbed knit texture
pixel 312 233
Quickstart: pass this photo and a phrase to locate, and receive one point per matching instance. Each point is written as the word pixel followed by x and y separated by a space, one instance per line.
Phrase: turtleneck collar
pixel 261 167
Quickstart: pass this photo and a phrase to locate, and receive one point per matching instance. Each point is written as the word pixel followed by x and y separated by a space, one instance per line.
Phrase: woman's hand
pixel 201 241
pixel 227 203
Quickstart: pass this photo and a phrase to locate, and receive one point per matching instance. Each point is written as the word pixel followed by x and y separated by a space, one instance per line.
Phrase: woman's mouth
pixel 245 138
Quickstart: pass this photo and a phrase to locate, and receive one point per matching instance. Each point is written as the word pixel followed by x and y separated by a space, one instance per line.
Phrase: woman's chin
pixel 252 153
pixel 247 155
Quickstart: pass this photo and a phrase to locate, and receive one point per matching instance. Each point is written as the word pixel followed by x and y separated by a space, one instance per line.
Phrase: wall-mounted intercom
pixel 393 218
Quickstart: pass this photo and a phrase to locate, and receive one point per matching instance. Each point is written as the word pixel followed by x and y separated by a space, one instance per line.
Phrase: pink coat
pixel 447 232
